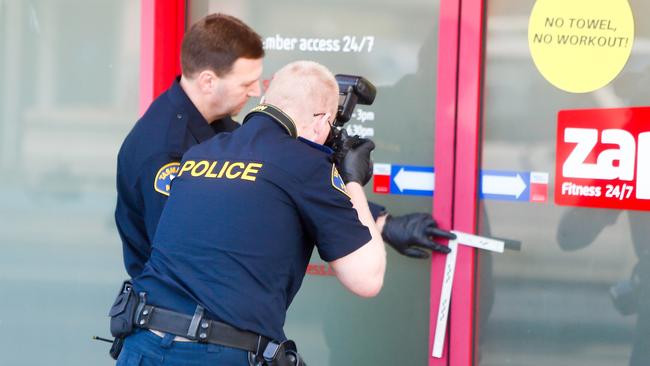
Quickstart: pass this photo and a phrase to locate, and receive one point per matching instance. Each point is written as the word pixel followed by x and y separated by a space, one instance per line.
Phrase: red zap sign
pixel 603 158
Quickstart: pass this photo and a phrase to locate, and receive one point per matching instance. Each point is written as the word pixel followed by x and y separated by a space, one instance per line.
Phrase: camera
pixel 353 90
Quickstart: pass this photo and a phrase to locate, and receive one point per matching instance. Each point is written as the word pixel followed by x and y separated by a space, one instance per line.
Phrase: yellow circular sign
pixel 580 45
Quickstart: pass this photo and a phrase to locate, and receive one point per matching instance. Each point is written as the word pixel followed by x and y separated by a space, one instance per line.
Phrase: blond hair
pixel 305 87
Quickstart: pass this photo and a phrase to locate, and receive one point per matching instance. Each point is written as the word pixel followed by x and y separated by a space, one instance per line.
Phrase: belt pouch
pixel 283 354
pixel 122 312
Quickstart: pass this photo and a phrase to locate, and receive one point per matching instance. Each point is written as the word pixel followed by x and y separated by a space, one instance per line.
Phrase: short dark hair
pixel 215 42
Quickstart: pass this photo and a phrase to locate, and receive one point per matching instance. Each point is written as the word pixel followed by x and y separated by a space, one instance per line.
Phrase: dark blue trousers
pixel 144 348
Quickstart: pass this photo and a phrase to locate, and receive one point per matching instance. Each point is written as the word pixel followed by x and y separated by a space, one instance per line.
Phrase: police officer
pixel 221 61
pixel 237 232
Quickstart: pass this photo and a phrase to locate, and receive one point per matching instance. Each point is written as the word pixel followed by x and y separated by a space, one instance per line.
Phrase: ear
pixel 206 81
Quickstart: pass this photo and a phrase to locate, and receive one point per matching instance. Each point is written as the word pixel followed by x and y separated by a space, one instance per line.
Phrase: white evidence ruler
pixel 448 279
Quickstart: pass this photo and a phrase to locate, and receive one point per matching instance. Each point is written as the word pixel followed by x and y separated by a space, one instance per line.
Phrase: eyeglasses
pixel 322 114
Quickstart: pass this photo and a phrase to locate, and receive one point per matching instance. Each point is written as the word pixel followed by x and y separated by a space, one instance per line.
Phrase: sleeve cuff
pixel 376 210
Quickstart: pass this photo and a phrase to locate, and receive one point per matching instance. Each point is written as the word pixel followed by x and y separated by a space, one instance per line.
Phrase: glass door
pixel 394 46
pixel 578 291
pixel 67 99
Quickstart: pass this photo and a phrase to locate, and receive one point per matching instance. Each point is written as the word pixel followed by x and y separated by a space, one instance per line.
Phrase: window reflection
pixel 562 299
pixel 69 72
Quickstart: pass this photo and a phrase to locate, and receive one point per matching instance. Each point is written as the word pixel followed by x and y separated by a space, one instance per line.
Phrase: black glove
pixel 408 233
pixel 356 165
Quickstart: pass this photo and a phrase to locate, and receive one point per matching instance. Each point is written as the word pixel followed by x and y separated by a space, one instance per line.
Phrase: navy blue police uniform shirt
pixel 239 228
pixel 148 161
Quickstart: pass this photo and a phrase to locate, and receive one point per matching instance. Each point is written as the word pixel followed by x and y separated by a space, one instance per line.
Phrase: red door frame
pixel 460 48
pixel 162 25
pixel 460 51
pixel 467 154
pixel 444 159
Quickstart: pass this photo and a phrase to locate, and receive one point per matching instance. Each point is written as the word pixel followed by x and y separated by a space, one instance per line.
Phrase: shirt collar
pixel 317 146
pixel 263 120
pixel 186 111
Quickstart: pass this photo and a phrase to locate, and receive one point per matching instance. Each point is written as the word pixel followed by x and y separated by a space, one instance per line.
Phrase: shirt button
pixel 179 116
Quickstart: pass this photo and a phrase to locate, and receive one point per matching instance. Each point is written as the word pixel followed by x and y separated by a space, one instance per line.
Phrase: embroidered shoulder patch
pixel 337 181
pixel 164 177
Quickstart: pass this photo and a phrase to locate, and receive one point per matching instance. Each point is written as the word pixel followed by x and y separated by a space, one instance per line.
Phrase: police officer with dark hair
pixel 235 237
pixel 221 58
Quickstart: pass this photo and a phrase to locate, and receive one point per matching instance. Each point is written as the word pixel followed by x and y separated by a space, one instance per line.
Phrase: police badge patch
pixel 163 181
pixel 337 181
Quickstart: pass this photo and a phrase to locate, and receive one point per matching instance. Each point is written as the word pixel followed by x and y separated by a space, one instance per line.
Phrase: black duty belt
pixel 197 328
